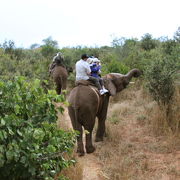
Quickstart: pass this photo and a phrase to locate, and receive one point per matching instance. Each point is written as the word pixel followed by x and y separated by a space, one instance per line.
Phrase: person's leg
pixel 102 85
pixel 101 82
pixel 96 82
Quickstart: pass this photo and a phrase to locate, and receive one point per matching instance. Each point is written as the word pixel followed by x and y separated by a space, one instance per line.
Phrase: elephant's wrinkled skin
pixel 59 75
pixel 86 104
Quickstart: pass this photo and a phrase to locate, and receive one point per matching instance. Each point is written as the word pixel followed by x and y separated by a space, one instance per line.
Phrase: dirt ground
pixel 150 157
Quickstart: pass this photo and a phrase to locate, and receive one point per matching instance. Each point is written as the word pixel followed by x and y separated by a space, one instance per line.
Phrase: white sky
pixel 86 22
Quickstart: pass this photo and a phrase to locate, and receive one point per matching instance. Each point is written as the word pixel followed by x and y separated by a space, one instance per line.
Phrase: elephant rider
pixel 58 60
pixel 83 72
pixel 95 72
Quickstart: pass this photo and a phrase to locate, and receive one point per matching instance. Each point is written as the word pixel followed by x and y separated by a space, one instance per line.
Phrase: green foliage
pixel 71 80
pixel 114 67
pixel 31 145
pixel 160 80
pixel 31 64
pixel 8 46
pixel 49 48
pixel 50 42
pixel 147 43
pixel 168 46
pixel 48 51
pixel 10 49
pixel 177 35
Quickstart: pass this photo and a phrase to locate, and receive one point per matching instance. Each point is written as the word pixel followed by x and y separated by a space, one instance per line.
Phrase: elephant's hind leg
pixel 100 130
pixel 77 126
pixel 89 127
pixel 89 147
pixel 80 148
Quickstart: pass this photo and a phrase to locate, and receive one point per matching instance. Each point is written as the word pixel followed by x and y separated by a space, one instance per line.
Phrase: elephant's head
pixel 116 82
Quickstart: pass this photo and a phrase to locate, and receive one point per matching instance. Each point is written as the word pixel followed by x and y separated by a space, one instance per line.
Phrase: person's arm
pixel 99 71
pixel 88 69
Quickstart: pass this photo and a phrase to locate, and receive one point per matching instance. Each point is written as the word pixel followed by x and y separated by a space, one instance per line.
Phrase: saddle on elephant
pixel 84 83
pixel 88 83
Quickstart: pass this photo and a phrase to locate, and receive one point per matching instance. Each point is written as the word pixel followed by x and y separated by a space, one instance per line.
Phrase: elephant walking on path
pixel 60 75
pixel 86 104
pixel 59 72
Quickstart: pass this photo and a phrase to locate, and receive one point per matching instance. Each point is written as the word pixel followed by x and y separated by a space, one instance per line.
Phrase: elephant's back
pixel 84 97
pixel 60 71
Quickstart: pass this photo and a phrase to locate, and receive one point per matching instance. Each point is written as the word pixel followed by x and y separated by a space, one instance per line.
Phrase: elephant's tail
pixel 76 118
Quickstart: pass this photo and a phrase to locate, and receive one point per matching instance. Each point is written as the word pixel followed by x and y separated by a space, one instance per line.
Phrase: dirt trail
pixel 132 149
pixel 151 157
pixel 91 166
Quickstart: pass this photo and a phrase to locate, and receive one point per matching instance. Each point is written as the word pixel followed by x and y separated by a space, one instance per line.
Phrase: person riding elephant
pixel 59 72
pixel 83 72
pixel 86 104
pixel 58 60
pixel 96 71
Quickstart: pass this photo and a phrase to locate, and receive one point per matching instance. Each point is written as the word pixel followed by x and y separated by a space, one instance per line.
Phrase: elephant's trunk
pixel 133 73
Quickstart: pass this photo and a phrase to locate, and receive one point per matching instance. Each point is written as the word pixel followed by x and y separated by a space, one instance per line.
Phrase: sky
pixel 91 23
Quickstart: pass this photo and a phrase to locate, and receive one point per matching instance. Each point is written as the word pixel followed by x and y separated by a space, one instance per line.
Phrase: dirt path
pixel 89 162
pixel 131 150
pixel 92 168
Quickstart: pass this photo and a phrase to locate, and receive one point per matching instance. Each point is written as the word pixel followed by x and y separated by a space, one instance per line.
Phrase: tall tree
pixel 147 42
pixel 50 47
pixel 177 35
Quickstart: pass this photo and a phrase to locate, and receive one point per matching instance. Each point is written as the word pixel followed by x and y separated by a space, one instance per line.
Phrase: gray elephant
pixel 86 104
pixel 59 72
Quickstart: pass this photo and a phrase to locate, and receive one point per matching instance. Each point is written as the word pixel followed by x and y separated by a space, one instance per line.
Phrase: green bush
pixel 49 48
pixel 31 145
pixel 147 42
pixel 160 80
pixel 114 67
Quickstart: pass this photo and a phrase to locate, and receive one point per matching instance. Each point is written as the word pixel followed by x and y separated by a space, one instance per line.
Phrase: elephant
pixel 86 103
pixel 59 72
pixel 59 75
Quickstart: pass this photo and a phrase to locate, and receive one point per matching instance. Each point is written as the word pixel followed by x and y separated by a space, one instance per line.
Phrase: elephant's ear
pixel 111 87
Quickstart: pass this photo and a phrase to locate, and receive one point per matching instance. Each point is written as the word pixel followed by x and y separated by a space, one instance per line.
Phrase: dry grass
pixel 166 119
pixel 139 145
pixel 136 147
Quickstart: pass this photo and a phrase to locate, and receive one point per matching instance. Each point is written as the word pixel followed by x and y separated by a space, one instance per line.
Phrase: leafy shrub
pixel 48 51
pixel 147 43
pixel 168 46
pixel 160 80
pixel 49 48
pixel 31 145
pixel 114 67
pixel 160 76
pixel 71 80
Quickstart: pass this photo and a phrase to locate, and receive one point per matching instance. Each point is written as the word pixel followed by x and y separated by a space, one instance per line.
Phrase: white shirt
pixel 82 70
